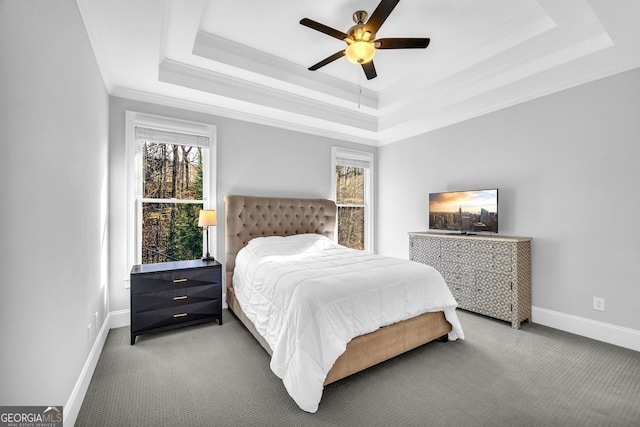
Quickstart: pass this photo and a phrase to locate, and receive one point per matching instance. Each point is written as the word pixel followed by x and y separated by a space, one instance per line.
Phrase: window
pixel 353 190
pixel 171 180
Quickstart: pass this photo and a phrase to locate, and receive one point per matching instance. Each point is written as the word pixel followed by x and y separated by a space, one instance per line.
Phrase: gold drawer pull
pixel 179 298
pixel 180 315
pixel 180 280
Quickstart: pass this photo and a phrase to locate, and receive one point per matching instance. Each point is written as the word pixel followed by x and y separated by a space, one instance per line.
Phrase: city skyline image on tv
pixel 464 211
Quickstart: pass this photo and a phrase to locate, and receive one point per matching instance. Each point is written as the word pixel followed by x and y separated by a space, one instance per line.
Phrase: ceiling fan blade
pixel 402 43
pixel 327 60
pixel 380 15
pixel 369 70
pixel 323 28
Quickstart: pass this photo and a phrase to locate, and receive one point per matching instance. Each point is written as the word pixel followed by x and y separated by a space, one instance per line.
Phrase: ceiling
pixel 248 59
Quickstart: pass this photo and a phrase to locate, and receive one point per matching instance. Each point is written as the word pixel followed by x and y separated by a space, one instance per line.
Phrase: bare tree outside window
pixel 172 200
pixel 350 199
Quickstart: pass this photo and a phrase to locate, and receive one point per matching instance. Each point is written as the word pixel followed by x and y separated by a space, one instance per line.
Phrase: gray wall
pixel 252 159
pixel 567 169
pixel 53 166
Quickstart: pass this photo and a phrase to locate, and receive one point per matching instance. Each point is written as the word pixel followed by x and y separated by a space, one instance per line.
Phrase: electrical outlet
pixel 598 304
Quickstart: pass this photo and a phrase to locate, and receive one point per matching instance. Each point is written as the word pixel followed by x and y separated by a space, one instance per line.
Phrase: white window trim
pixel 133 154
pixel 363 156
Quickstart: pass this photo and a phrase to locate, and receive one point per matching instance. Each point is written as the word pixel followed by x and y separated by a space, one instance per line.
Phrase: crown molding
pixel 327 130
pixel 420 125
pixel 288 74
pixel 260 95
pixel 553 51
pixel 521 28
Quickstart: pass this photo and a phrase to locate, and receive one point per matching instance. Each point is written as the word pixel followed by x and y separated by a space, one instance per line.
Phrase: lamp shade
pixel 207 218
pixel 360 52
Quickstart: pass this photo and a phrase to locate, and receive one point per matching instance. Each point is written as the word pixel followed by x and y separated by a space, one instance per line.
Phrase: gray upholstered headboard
pixel 247 217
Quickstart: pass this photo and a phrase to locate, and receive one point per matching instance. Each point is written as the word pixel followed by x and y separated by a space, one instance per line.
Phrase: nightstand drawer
pixel 174 315
pixel 174 280
pixel 175 297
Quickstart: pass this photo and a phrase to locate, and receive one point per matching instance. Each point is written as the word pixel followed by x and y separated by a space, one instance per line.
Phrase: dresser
pixel 170 295
pixel 487 275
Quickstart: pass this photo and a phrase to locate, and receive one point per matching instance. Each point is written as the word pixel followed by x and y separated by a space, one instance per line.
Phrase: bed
pixel 248 218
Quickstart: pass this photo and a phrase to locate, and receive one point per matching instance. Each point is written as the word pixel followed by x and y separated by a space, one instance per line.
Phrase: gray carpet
pixel 212 375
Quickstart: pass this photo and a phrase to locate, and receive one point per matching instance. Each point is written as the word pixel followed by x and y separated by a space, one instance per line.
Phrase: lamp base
pixel 208 258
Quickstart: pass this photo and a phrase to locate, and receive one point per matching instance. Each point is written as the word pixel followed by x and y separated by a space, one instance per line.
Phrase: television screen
pixel 464 211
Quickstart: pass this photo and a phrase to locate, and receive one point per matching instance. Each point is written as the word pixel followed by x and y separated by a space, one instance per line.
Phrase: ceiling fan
pixel 361 41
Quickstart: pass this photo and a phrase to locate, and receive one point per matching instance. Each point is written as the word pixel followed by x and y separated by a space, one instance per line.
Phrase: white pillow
pixel 289 245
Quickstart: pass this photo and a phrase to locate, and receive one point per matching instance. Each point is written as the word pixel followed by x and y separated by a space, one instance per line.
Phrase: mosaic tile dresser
pixel 487 275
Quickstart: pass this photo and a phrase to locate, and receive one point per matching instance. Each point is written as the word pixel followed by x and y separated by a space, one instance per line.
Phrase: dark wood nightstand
pixel 170 295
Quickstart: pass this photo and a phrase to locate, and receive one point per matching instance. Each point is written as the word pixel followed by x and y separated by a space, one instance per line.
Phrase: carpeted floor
pixel 212 375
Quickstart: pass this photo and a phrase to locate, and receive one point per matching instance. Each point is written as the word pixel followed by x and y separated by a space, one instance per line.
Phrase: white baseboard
pixel 605 332
pixel 120 318
pixel 72 407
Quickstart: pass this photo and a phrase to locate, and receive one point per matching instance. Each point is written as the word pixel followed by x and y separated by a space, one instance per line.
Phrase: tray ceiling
pixel 248 59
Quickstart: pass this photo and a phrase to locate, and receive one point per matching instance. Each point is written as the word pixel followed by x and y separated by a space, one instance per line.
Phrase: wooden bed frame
pixel 248 217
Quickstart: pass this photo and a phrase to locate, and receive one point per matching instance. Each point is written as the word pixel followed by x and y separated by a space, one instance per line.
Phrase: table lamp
pixel 208 218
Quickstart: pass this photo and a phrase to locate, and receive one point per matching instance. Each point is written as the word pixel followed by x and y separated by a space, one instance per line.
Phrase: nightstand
pixel 171 295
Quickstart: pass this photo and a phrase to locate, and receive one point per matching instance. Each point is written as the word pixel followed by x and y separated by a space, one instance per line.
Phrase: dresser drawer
pixel 431 259
pixel 490 247
pixel 461 295
pixel 452 256
pixel 454 244
pixel 456 267
pixel 174 280
pixel 174 297
pixel 480 302
pixel 165 317
pixel 424 250
pixel 495 283
pixel 493 262
pixel 492 295
pixel 457 278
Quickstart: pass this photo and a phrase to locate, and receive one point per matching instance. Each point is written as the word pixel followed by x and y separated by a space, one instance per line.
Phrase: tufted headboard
pixel 247 217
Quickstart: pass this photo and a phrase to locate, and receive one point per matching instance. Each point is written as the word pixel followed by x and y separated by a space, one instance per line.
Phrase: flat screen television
pixel 464 212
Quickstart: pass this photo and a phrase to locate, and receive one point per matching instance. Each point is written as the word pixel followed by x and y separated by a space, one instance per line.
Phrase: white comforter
pixel 308 297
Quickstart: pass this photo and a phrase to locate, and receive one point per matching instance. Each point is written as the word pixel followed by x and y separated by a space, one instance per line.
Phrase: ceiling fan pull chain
pixel 359 89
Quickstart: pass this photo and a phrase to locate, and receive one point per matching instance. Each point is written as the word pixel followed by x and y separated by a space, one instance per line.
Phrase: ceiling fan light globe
pixel 360 52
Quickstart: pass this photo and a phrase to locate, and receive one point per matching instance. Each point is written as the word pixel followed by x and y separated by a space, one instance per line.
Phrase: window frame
pixel 133 153
pixel 366 159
